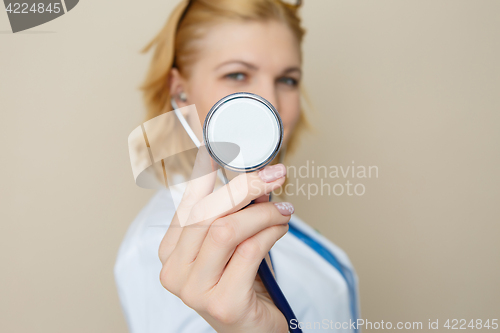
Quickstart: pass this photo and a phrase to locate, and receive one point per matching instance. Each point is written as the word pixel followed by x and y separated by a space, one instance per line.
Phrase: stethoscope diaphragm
pixel 243 132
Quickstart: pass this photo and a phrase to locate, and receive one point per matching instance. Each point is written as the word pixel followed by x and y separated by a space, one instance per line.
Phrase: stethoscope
pixel 252 125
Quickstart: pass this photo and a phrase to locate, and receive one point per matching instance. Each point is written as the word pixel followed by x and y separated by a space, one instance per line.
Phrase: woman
pixel 208 274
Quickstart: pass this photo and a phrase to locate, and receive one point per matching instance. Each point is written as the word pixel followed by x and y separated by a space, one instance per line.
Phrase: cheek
pixel 205 94
pixel 200 97
pixel 290 112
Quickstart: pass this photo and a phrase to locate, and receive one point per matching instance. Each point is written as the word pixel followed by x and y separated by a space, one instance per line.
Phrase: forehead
pixel 266 44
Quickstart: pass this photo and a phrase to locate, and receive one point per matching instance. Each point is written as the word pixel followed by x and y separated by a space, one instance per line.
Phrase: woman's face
pixel 257 57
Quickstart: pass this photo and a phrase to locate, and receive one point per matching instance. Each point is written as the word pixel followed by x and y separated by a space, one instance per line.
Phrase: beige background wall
pixel 409 86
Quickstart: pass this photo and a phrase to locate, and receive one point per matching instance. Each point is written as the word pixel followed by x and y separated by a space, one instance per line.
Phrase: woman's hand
pixel 212 265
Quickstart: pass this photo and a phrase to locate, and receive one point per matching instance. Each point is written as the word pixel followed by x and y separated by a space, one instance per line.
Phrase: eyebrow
pixel 292 69
pixel 244 63
pixel 253 67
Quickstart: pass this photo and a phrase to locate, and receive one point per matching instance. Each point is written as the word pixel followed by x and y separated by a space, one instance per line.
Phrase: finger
pixel 263 198
pixel 244 188
pixel 201 184
pixel 241 270
pixel 238 193
pixel 227 233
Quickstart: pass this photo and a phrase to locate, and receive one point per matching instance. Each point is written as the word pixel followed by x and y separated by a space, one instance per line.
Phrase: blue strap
pixel 328 256
pixel 277 296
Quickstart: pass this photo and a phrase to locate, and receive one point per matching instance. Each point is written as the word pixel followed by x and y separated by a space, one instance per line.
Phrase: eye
pixel 289 81
pixel 237 76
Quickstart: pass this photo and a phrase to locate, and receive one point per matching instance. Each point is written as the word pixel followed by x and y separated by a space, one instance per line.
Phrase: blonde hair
pixel 174 46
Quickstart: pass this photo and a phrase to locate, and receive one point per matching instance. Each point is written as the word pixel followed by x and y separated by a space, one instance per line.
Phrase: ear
pixel 177 85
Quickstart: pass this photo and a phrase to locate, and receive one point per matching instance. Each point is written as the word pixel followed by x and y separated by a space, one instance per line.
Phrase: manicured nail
pixel 285 208
pixel 272 172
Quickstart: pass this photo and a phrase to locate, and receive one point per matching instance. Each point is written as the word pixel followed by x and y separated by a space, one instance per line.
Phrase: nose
pixel 268 91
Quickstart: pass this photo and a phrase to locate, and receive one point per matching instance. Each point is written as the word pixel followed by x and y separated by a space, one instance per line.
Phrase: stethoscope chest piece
pixel 243 132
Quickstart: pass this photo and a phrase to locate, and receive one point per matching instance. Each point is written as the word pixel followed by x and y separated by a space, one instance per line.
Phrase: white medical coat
pixel 316 277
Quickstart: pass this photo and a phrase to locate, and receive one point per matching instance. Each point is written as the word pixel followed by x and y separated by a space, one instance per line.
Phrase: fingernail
pixel 285 208
pixel 272 172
